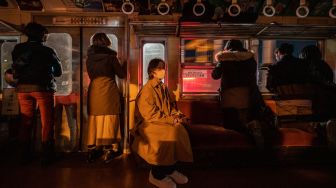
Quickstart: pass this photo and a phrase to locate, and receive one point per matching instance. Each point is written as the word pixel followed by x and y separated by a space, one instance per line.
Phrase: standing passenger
pixel 286 71
pixel 237 70
pixel 160 136
pixel 103 99
pixel 35 67
pixel 322 76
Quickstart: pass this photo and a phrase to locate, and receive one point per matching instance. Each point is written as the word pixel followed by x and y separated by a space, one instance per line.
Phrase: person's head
pixel 36 32
pixel 101 39
pixel 285 49
pixel 310 52
pixel 234 45
pixel 277 54
pixel 156 69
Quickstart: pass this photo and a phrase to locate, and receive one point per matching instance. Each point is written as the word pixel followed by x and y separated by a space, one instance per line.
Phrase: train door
pixel 71 44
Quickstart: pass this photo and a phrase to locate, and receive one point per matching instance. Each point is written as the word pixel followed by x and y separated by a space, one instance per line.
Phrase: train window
pixel 6 48
pixel 266 52
pixel 62 44
pixel 197 63
pixel 149 52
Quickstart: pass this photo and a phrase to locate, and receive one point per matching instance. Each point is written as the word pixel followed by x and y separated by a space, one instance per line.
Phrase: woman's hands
pixel 180 118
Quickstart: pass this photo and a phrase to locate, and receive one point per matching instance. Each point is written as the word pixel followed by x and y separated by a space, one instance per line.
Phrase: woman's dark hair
pixel 35 31
pixel 155 64
pixel 286 48
pixel 234 45
pixel 311 52
pixel 101 39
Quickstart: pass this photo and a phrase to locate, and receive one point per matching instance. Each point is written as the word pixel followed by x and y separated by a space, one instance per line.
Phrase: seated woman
pixel 159 135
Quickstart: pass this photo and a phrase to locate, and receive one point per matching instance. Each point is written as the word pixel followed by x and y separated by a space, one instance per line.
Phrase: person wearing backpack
pixel 35 66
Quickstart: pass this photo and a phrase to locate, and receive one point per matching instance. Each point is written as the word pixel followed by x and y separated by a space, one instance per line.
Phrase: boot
pixel 255 129
pixel 331 134
pixel 25 153
pixel 48 153
pixel 92 154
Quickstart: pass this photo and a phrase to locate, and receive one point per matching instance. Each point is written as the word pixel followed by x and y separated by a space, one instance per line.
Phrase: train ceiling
pixel 216 20
pixel 282 7
pixel 229 30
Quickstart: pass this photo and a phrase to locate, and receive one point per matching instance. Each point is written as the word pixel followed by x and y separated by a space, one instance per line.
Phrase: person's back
pixel 237 71
pixel 40 68
pixel 35 66
pixel 321 76
pixel 236 67
pixel 288 70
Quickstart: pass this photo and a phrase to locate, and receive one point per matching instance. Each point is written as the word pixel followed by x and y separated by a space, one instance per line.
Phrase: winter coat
pixel 103 96
pixel 237 71
pixel 35 67
pixel 288 71
pixel 156 138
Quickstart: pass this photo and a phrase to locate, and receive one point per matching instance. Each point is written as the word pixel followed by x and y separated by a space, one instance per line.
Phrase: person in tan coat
pixel 160 137
pixel 103 99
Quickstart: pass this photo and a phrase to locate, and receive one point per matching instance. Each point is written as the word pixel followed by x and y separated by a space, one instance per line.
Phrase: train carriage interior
pixel 187 35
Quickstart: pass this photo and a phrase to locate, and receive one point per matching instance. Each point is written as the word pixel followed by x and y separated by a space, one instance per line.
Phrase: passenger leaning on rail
pixel 103 99
pixel 35 67
pixel 240 98
pixel 322 77
pixel 160 137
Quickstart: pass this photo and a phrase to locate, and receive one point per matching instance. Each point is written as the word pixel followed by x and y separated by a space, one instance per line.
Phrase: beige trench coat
pixel 156 138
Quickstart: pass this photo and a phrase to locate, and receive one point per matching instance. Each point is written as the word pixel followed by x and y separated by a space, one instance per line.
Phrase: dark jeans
pixel 45 102
pixel 160 172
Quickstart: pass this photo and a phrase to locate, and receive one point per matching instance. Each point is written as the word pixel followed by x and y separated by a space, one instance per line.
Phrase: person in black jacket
pixel 35 66
pixel 322 77
pixel 288 70
pixel 239 93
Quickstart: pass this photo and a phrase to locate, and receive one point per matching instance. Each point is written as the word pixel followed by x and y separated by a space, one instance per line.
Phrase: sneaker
pixel 179 178
pixel 166 182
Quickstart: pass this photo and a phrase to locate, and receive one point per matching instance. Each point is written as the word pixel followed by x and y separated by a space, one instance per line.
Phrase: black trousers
pixel 160 172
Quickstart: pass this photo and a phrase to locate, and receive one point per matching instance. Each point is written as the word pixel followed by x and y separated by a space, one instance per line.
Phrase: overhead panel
pixel 6 29
pixel 154 28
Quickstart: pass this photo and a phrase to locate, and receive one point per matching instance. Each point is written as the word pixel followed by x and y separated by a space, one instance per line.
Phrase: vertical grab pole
pixel 80 87
pixel 126 148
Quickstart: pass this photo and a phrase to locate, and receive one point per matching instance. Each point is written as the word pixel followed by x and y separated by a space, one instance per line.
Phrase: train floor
pixel 71 170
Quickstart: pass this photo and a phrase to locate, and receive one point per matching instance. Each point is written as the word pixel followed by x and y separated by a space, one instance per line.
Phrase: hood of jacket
pixel 234 56
pixel 98 53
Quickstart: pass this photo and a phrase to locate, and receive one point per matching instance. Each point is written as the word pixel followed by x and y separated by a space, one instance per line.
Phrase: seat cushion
pixel 205 136
pixel 295 137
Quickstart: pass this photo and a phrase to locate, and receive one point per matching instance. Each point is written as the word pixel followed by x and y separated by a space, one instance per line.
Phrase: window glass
pixel 266 54
pixel 7 47
pixel 62 44
pixel 197 63
pixel 151 51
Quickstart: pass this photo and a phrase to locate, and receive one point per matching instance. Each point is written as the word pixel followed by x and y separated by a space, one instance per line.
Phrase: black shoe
pixel 25 154
pixel 109 155
pixel 48 153
pixel 92 155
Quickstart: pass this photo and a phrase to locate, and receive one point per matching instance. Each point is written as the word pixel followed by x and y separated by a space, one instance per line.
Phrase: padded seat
pixel 205 136
pixel 295 137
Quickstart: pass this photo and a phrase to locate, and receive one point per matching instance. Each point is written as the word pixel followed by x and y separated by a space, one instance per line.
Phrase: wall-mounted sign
pixel 194 73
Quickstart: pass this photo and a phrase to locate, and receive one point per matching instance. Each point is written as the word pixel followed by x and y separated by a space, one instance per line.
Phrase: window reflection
pixel 197 63
pixel 151 51
pixel 6 58
pixel 62 44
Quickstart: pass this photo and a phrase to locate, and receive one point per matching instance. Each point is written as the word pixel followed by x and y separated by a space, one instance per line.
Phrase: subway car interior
pixel 187 35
